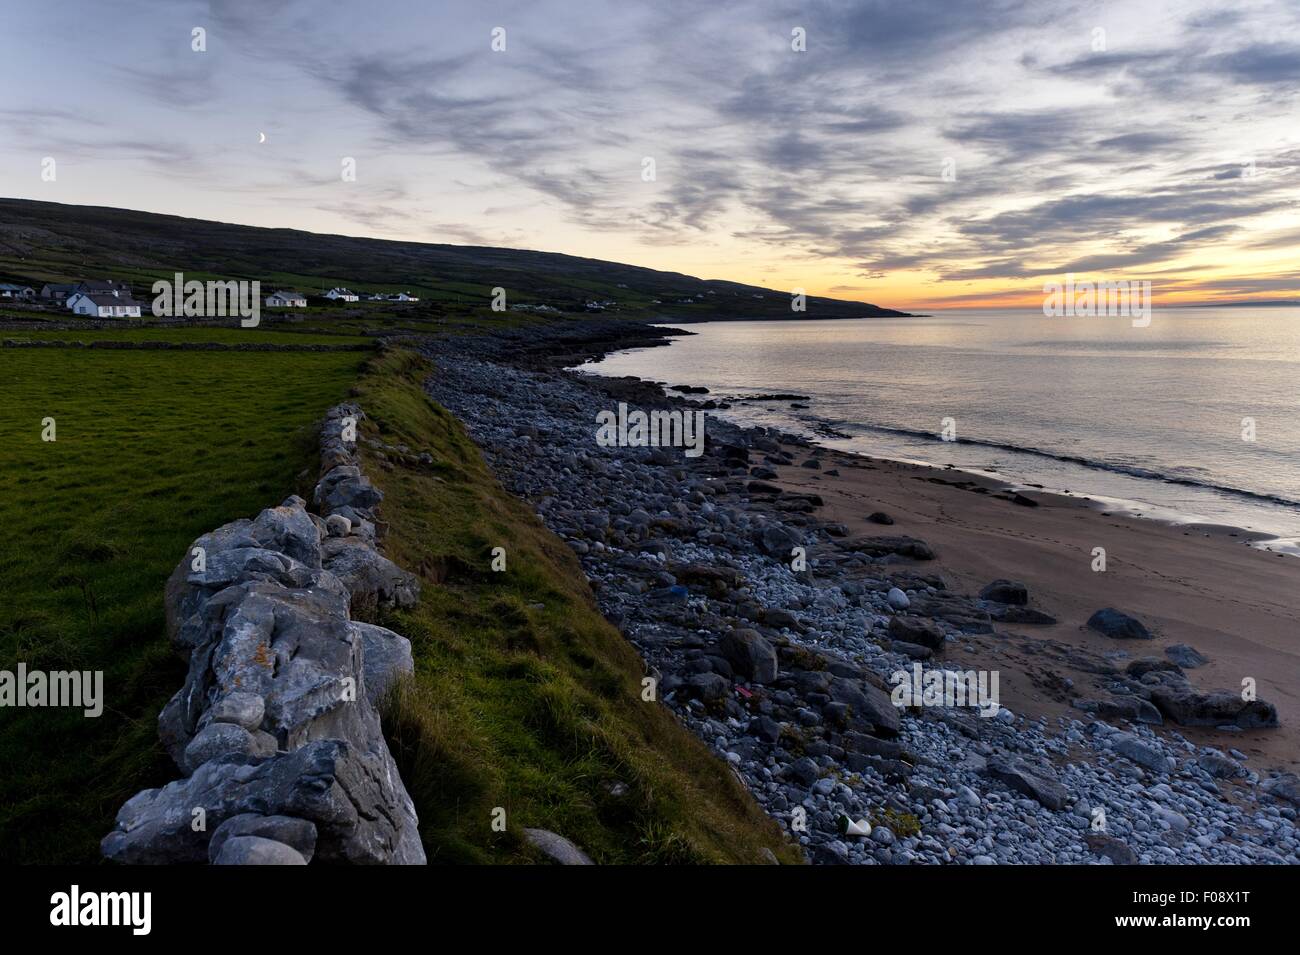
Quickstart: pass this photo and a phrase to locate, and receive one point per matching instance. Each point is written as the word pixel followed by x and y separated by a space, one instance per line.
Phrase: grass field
pixel 227 336
pixel 151 450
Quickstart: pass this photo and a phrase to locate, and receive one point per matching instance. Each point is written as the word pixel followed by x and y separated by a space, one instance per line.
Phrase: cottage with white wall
pixel 103 306
pixel 286 300
pixel 342 295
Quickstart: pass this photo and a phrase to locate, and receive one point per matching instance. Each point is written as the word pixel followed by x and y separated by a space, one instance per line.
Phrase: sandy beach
pixel 1203 586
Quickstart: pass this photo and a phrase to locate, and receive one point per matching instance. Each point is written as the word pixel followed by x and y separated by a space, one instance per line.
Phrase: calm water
pixel 1147 418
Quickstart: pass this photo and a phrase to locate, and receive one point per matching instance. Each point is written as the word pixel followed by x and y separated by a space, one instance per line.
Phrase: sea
pixel 1194 418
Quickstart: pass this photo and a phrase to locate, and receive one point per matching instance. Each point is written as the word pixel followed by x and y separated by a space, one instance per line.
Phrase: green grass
pixel 152 449
pixel 524 696
pixel 231 336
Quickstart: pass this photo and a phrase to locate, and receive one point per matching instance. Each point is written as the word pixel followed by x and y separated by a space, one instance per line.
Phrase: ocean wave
pixel 836 427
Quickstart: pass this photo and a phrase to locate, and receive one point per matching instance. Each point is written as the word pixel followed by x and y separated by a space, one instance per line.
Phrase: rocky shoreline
pixel 787 668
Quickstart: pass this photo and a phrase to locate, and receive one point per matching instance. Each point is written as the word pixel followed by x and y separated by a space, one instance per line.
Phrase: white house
pixel 343 295
pixel 16 291
pixel 403 297
pixel 104 306
pixel 286 300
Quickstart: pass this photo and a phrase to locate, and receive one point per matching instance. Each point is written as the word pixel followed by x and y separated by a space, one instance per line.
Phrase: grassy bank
pixel 525 698
pixel 151 450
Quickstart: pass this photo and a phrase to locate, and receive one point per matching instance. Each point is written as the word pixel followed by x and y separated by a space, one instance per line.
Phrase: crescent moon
pixel 261 137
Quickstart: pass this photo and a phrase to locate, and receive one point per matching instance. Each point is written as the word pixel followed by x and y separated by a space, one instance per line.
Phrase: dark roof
pixel 112 300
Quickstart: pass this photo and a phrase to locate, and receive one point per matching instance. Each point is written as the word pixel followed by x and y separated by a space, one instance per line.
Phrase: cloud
pixel 1130 157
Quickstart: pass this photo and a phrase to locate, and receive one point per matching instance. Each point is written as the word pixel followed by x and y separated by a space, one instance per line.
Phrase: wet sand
pixel 1198 585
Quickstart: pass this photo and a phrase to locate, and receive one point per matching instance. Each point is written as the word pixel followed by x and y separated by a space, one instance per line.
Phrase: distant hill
pixel 46 241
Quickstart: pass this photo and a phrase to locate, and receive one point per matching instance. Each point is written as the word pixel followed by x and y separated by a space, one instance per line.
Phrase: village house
pixel 58 291
pixel 286 300
pixel 403 297
pixel 94 287
pixel 16 291
pixel 103 306
pixel 342 295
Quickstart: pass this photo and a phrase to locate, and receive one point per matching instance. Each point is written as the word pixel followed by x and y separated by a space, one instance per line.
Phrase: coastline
pixel 1263 515
pixel 1192 583
pixel 786 675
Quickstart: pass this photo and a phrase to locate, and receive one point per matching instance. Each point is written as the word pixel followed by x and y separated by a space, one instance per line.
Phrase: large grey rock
pixel 226 742
pixel 1132 708
pixel 1144 665
pixel 706 686
pixel 1006 592
pixel 897 599
pixel 242 709
pixel 916 630
pixel 1187 657
pixel 1111 848
pixel 1188 707
pixel 1143 754
pixel 385 656
pixel 372 580
pixel 870 707
pixel 750 655
pixel 1036 780
pixel 298 833
pixel 885 546
pixel 346 486
pixel 558 848
pixel 1113 623
pixel 777 541
pixel 1283 786
pixel 1220 766
pixel 255 850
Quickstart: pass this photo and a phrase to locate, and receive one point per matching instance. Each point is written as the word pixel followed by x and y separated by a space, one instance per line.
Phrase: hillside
pixel 46 241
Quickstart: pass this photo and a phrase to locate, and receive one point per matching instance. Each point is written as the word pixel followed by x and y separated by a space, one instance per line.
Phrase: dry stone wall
pixel 276 730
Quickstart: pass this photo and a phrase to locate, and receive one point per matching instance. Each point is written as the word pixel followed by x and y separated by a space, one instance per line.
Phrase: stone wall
pixel 276 730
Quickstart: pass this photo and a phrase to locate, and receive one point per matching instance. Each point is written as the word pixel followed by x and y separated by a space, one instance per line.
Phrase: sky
pixel 912 154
